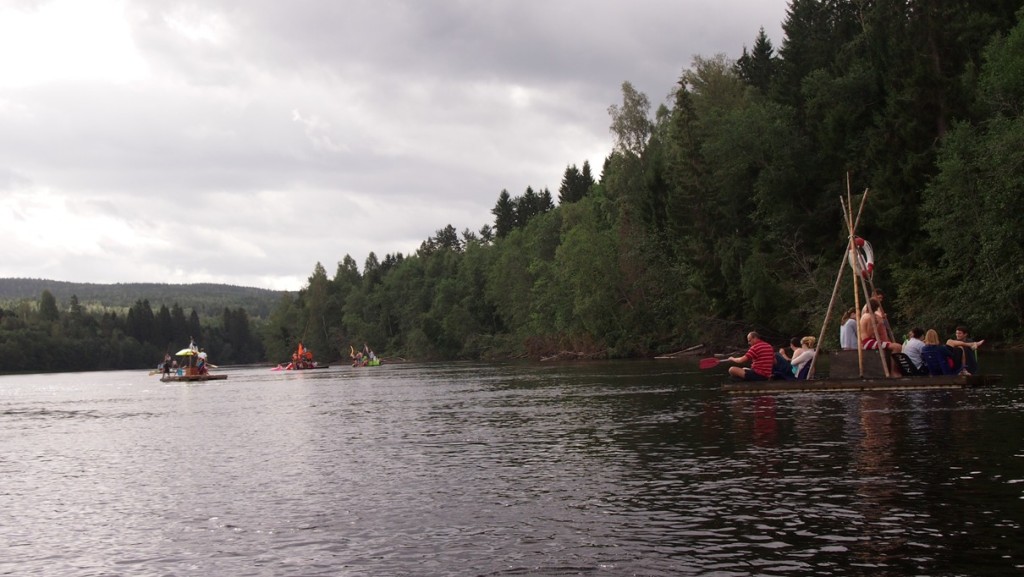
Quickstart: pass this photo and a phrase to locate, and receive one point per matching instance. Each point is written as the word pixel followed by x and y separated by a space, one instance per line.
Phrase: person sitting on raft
pixel 965 346
pixel 760 356
pixel 201 368
pixel 870 322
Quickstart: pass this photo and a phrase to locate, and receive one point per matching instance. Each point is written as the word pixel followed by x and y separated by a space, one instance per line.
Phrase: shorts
pixel 870 344
pixel 750 375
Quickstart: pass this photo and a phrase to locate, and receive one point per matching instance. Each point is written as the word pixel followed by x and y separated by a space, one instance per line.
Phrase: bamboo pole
pixel 855 263
pixel 839 279
pixel 828 315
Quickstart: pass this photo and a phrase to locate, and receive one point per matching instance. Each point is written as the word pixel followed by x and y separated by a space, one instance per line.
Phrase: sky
pixel 244 141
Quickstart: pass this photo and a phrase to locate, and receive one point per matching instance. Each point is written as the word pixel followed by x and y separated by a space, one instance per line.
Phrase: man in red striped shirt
pixel 761 357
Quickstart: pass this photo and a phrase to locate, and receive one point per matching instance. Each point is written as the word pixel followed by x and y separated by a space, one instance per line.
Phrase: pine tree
pixel 504 215
pixel 48 311
pixel 757 67
pixel 569 191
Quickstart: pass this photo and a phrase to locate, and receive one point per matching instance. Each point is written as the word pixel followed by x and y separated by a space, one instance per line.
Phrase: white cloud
pixel 67 40
pixel 242 142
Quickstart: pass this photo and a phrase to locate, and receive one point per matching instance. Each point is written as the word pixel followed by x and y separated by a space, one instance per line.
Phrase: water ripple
pixel 603 469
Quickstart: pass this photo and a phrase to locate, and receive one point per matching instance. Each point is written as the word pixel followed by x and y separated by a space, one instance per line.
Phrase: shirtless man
pixel 868 323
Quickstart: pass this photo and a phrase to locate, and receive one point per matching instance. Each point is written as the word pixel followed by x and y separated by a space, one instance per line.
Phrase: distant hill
pixel 207 299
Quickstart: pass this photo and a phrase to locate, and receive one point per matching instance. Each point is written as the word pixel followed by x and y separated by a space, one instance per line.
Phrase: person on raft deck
pixel 872 330
pixel 803 352
pixel 760 356
pixel 965 346
pixel 886 332
pixel 848 330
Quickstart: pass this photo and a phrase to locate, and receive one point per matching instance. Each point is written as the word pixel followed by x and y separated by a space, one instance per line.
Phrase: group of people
pixel 925 353
pixel 302 358
pixel 928 355
pixel 796 362
pixel 766 363
pixel 363 358
pixel 202 366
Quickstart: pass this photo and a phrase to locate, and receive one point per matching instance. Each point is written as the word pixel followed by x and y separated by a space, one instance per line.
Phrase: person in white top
pixel 803 355
pixel 803 352
pixel 913 346
pixel 848 330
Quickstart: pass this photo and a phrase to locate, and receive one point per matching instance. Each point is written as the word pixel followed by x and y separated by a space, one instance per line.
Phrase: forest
pixel 717 212
pixel 44 336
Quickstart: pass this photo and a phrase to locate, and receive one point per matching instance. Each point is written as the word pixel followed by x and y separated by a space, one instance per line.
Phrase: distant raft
pixel 175 378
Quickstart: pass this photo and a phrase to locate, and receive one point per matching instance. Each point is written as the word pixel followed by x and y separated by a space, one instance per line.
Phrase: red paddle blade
pixel 709 363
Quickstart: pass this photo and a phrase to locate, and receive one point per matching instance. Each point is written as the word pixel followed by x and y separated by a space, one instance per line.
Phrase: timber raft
pixel 859 370
pixel 940 382
pixel 192 378
pixel 846 375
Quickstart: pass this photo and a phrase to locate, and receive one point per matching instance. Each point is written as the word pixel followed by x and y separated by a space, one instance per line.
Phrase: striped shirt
pixel 762 358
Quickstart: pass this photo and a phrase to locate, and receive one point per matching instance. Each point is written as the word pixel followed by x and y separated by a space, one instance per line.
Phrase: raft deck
pixel 845 376
pixel 863 385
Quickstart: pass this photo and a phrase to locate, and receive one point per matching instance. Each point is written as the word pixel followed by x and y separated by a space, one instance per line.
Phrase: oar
pixel 710 363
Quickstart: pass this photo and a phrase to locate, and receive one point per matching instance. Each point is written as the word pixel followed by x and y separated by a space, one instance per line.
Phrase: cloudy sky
pixel 243 141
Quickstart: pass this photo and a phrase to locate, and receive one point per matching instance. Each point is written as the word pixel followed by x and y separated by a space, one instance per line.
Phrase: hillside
pixel 207 299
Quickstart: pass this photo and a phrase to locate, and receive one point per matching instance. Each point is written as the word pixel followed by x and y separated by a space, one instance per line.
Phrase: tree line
pixel 719 210
pixel 207 299
pixel 45 336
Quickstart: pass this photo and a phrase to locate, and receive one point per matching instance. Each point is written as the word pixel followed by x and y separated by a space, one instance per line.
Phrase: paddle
pixel 710 363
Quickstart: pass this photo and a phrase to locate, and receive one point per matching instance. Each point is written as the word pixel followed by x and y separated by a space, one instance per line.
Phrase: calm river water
pixel 603 469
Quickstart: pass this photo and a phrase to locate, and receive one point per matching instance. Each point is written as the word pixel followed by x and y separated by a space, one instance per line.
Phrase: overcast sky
pixel 243 141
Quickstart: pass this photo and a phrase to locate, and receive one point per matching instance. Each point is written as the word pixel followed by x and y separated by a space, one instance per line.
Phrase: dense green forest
pixel 716 212
pixel 50 325
pixel 719 211
pixel 46 335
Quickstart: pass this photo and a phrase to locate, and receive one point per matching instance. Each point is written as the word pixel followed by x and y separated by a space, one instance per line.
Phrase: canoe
pixel 940 382
pixel 192 378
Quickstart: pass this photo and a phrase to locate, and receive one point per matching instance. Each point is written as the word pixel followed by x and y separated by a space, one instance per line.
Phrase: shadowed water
pixel 617 468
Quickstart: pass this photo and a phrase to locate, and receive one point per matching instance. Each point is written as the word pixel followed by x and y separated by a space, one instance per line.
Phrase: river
pixel 601 469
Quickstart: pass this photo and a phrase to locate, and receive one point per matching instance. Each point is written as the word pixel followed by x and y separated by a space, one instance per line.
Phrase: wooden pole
pixel 855 263
pixel 851 254
pixel 835 289
pixel 828 315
